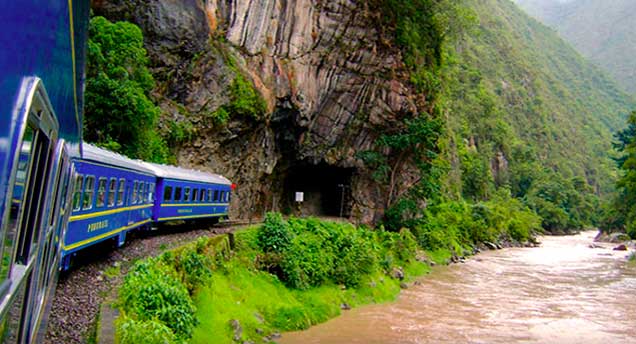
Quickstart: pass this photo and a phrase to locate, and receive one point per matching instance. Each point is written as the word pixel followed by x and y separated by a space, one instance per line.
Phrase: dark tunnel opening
pixel 326 190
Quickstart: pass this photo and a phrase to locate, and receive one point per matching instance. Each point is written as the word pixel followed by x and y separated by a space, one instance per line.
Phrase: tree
pixel 625 202
pixel 119 112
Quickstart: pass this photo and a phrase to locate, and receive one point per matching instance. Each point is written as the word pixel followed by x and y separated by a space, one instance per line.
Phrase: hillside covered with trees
pixel 528 113
pixel 603 31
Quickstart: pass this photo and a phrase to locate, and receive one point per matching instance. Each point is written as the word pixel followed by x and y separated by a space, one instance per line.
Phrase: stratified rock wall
pixel 331 80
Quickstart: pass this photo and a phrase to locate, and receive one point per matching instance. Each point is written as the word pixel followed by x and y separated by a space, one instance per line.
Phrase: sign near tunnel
pixel 300 196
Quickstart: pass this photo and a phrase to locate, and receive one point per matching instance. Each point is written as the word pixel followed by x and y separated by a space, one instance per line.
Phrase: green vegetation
pixel 620 215
pixel 153 292
pixel 291 274
pixel 511 110
pixel 581 22
pixel 421 28
pixel 560 111
pixel 458 226
pixel 530 115
pixel 119 112
pixel 245 100
pixel 300 278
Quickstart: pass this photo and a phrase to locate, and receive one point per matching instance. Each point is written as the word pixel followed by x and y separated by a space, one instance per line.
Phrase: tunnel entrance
pixel 326 190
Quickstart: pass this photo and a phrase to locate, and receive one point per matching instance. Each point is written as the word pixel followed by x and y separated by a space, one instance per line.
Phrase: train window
pixel 89 187
pixel 228 196
pixel 195 195
pixel 144 187
pixel 186 194
pixel 18 203
pixel 209 197
pixel 134 197
pixel 101 192
pixel 112 189
pixel 222 199
pixel 120 192
pixel 177 194
pixel 141 194
pixel 77 193
pixel 167 193
pixel 151 192
pixel 202 199
pixel 216 196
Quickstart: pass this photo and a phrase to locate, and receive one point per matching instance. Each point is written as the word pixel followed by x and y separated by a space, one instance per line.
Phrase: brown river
pixel 562 292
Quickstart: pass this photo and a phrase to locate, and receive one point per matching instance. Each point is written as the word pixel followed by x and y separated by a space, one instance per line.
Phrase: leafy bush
pixel 245 100
pixel 355 257
pixel 131 331
pixel 631 230
pixel 275 234
pixel 308 262
pixel 193 266
pixel 118 84
pixel 329 252
pixel 458 225
pixel 152 291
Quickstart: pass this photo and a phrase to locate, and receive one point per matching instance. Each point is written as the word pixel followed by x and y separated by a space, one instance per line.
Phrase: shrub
pixel 245 100
pixel 328 252
pixel 458 225
pixel 405 245
pixel 631 230
pixel 307 262
pixel 275 234
pixel 354 258
pixel 194 267
pixel 131 331
pixel 152 291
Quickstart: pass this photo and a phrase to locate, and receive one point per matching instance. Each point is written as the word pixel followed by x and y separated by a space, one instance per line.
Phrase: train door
pixel 35 137
pixel 131 187
pixel 49 253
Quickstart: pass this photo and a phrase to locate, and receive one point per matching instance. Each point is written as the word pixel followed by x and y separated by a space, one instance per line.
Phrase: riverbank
pixel 285 275
pixel 245 287
pixel 569 290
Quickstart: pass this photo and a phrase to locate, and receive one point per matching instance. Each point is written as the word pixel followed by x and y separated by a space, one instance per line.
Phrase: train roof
pixel 173 172
pixel 100 155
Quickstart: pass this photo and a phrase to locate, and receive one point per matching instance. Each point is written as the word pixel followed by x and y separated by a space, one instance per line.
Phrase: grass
pixel 263 304
pixel 112 272
pixel 440 256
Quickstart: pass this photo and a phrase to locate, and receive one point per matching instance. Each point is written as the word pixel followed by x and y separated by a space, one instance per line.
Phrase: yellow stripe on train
pixel 102 236
pixel 107 212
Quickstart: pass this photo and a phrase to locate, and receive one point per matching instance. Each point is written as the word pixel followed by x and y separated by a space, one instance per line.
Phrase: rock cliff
pixel 327 70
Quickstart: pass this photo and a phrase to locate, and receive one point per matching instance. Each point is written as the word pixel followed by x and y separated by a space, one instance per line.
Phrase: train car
pixel 184 194
pixel 42 46
pixel 112 195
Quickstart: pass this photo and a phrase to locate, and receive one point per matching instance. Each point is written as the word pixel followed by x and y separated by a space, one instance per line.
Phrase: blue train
pixel 42 46
pixel 114 195
pixel 57 195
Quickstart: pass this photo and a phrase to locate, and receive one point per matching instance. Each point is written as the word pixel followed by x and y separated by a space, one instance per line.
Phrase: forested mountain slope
pixel 528 112
pixel 604 31
pixel 517 77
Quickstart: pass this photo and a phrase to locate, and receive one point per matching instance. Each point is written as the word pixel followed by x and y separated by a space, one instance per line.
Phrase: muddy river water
pixel 562 292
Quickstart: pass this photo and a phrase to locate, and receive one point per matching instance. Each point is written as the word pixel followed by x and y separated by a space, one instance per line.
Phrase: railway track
pixel 98 270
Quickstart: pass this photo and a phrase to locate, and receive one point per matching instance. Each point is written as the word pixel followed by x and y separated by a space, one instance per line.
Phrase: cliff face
pixel 329 76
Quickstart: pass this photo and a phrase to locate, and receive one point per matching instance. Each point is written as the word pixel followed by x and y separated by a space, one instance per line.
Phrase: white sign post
pixel 300 196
